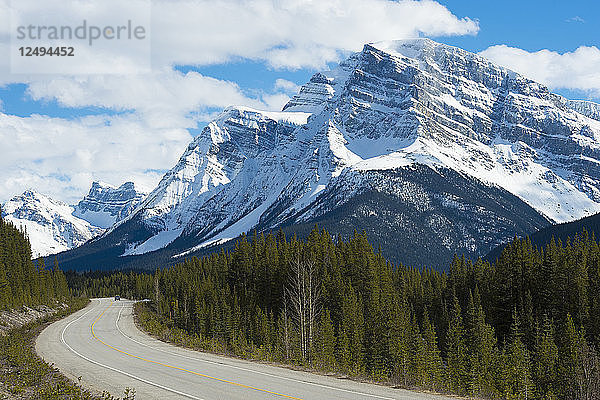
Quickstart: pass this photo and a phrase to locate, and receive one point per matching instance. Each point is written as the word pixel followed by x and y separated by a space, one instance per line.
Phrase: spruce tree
pixel 326 343
pixel 456 350
pixel 569 361
pixel 481 343
pixel 518 374
pixel 545 360
pixel 5 292
pixel 434 367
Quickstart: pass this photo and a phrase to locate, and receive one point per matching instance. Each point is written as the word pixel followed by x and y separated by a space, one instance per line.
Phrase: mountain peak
pixel 106 204
pixel 54 226
pixel 30 197
pixel 31 193
pixel 394 131
pixel 101 184
pixel 50 223
pixel 405 47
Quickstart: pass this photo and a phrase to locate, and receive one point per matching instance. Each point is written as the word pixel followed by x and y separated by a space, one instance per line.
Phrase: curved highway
pixel 102 345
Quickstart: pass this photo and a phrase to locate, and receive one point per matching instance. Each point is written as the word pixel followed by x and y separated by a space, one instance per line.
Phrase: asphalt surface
pixel 102 345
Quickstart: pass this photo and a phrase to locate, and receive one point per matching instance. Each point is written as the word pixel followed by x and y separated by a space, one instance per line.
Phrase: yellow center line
pixel 183 369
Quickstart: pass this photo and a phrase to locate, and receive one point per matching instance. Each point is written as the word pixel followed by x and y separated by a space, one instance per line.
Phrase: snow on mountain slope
pixel 420 101
pixel 105 205
pixel 54 227
pixel 392 107
pixel 50 225
pixel 587 108
pixel 226 154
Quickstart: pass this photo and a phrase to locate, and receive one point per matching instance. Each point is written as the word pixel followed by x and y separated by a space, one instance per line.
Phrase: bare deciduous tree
pixel 305 297
pixel 286 334
pixel 588 381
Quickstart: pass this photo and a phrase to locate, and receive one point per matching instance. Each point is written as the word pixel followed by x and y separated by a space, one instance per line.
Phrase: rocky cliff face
pixel 50 224
pixel 105 205
pixel 405 139
pixel 54 227
pixel 587 108
pixel 424 102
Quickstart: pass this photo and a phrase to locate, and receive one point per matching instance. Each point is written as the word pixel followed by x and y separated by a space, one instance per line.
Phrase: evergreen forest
pixel 22 281
pixel 524 326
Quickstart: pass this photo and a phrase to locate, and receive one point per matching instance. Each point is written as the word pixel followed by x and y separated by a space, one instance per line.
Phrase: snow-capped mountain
pixel 587 108
pixel 53 226
pixel 431 149
pixel 105 205
pixel 50 224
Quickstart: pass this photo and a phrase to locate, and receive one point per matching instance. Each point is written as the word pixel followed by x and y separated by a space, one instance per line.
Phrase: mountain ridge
pixel 105 205
pixel 54 226
pixel 390 107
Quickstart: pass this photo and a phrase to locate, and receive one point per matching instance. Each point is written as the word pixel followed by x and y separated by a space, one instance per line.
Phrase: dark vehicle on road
pixel 117 298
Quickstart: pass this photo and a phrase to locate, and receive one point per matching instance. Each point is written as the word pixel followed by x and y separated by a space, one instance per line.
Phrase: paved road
pixel 101 345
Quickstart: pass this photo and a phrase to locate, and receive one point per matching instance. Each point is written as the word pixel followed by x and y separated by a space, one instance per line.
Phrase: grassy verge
pixel 163 329
pixel 155 326
pixel 24 375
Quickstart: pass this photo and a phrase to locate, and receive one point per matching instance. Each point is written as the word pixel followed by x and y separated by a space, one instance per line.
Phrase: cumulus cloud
pixel 576 70
pixel 287 86
pixel 166 97
pixel 61 157
pixel 290 34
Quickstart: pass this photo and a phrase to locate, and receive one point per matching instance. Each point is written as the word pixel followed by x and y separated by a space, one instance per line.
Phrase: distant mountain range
pixel 53 226
pixel 430 149
pixel 106 205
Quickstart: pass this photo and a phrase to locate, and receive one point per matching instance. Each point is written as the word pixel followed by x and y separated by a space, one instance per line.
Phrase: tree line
pixel 524 326
pixel 22 281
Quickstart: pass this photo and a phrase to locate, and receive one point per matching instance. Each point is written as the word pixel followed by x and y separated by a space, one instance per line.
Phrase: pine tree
pixel 5 292
pixel 457 352
pixel 417 346
pixel 481 342
pixel 401 336
pixel 434 368
pixel 569 364
pixel 545 360
pixel 518 375
pixel 326 343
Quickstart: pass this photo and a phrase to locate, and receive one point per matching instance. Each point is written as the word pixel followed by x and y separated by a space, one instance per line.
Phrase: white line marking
pixel 117 370
pixel 244 369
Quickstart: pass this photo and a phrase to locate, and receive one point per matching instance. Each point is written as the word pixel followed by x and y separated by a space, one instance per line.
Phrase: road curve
pixel 102 345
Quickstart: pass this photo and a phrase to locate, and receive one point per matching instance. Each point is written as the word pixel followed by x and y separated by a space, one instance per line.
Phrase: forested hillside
pixel 524 327
pixel 21 281
pixel 563 231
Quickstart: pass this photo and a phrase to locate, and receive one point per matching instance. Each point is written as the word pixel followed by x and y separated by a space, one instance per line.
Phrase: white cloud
pixel 577 70
pixel 61 157
pixel 287 86
pixel 291 33
pixel 576 18
pixel 276 101
pixel 166 97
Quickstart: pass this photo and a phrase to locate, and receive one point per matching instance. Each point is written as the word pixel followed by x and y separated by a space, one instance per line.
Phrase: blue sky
pixel 531 25
pixel 105 127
